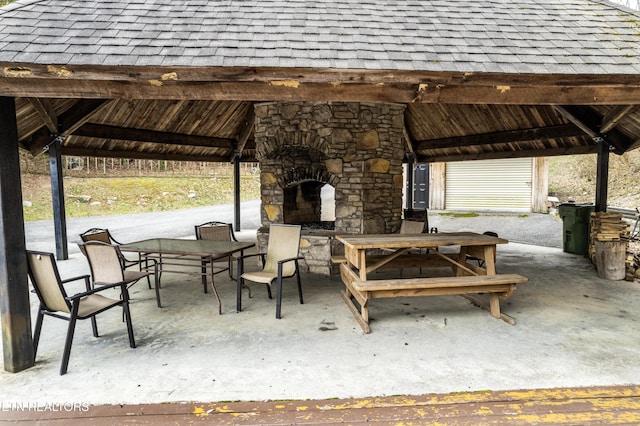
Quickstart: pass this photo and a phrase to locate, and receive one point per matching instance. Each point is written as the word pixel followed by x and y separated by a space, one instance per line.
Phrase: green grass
pixel 570 177
pixel 124 195
pixel 452 214
pixel 471 214
pixel 573 177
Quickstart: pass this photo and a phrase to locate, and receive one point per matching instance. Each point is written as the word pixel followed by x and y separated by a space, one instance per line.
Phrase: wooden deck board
pixel 596 405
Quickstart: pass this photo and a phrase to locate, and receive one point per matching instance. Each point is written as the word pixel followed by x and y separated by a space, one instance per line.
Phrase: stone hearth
pixel 355 148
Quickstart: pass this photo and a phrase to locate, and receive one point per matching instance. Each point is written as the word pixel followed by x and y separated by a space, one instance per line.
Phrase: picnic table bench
pixel 467 279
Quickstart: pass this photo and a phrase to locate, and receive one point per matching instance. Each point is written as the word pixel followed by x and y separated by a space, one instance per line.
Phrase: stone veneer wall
pixel 355 147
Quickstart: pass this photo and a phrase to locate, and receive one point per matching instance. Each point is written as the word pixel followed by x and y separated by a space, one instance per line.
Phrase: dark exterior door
pixel 421 186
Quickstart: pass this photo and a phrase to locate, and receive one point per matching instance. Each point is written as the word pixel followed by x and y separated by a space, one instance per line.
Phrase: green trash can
pixel 576 221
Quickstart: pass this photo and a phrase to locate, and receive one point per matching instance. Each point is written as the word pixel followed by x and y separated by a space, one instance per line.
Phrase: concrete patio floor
pixel 572 329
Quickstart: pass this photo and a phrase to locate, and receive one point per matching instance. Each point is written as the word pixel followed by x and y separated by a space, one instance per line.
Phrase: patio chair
pixel 103 235
pixel 471 257
pixel 216 231
pixel 412 227
pixel 98 234
pixel 55 302
pixel 408 226
pixel 107 266
pixel 280 262
pixel 414 222
pixel 418 215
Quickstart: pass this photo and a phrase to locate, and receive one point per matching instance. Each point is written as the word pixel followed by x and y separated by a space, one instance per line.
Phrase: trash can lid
pixel 573 204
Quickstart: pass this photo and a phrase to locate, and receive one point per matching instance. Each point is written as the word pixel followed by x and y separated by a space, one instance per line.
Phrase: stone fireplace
pixel 355 148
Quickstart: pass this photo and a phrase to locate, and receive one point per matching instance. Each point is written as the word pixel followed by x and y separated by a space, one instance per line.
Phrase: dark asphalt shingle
pixel 544 36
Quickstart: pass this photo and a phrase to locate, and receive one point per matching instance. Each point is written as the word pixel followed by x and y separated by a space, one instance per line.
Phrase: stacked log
pixel 609 227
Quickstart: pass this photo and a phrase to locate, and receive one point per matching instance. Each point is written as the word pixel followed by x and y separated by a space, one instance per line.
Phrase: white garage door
pixel 489 185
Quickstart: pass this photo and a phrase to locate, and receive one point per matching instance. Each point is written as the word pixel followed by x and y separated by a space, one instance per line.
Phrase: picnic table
pixel 422 250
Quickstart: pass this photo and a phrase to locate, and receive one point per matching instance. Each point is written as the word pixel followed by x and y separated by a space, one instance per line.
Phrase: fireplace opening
pixel 310 204
pixel 328 206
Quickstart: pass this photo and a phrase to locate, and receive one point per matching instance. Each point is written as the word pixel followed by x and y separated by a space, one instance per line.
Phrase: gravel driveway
pixel 533 228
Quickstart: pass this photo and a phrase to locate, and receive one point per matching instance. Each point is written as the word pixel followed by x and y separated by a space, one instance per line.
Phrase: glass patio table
pixel 178 256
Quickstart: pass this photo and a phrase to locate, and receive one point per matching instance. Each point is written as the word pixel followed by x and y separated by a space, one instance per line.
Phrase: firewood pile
pixel 607 226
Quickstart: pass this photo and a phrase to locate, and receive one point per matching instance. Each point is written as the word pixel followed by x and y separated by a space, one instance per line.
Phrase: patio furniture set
pixel 215 244
pixel 110 268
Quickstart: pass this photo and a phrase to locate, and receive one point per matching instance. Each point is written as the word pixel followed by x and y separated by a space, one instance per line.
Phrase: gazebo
pixel 337 92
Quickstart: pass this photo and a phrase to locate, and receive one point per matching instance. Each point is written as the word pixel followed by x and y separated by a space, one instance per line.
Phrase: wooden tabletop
pixel 432 240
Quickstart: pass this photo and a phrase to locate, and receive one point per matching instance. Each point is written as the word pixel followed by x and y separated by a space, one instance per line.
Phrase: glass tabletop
pixel 186 247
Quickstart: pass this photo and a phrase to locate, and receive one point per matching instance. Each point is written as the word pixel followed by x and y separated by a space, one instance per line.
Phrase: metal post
pixel 17 343
pixel 57 198
pixel 236 193
pixel 602 176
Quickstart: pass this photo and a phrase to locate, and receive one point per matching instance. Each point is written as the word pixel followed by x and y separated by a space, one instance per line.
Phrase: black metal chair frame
pixel 229 268
pixel 147 268
pixel 215 223
pixel 73 303
pixel 481 261
pixel 84 236
pixel 419 215
pixel 278 280
pixel 127 263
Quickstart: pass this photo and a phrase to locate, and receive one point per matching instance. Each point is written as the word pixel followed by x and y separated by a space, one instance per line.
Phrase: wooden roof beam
pixel 634 145
pixel 102 131
pixel 590 121
pixel 614 116
pixel 551 152
pixel 46 112
pixel 67 122
pixel 146 155
pixel 308 84
pixel 589 128
pixel 245 132
pixel 408 140
pixel 551 132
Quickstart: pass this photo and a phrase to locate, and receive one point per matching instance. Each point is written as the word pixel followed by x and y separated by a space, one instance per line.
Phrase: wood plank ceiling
pixel 214 130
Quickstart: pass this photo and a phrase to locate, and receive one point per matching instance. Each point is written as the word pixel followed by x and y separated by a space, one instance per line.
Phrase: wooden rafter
pixel 146 155
pixel 79 114
pixel 46 112
pixel 245 132
pixel 70 120
pixel 590 120
pixel 571 114
pixel 551 132
pixel 141 135
pixel 408 141
pixel 613 117
pixel 551 152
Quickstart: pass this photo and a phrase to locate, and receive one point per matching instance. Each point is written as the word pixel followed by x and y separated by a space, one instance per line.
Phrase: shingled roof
pixel 526 36
pixel 439 57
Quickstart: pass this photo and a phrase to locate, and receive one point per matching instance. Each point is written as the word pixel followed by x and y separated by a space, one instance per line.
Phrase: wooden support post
pixel 602 176
pixel 57 198
pixel 236 193
pixel 494 304
pixel 17 343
